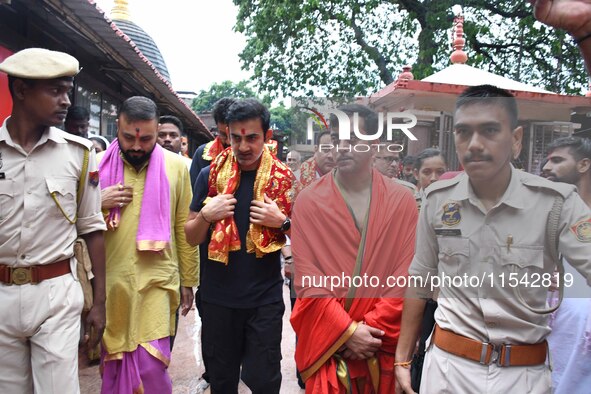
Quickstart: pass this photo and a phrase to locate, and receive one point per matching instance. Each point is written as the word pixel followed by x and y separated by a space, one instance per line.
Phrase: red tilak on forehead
pixel 243 131
pixel 137 131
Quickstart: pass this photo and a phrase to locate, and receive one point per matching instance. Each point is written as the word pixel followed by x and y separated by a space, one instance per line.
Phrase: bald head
pixel 294 159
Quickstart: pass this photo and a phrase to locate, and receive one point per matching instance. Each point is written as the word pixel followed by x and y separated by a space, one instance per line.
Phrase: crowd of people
pixel 365 237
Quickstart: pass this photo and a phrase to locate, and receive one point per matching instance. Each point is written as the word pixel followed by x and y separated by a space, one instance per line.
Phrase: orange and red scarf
pixel 274 179
pixel 212 149
pixel 308 172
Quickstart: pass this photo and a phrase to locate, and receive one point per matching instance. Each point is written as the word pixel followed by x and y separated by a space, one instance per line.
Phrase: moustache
pixel 136 157
pixel 341 158
pixel 470 157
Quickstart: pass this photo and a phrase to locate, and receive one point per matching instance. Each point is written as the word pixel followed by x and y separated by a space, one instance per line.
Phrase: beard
pixel 572 178
pixel 136 157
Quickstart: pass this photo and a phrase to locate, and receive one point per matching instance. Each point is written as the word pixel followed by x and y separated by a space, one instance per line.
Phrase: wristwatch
pixel 286 225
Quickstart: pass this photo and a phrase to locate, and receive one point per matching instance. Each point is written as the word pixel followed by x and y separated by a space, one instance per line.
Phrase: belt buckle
pixel 506 360
pixel 20 275
pixel 495 354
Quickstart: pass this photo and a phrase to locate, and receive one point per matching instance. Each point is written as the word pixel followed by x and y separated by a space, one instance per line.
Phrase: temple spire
pixel 405 76
pixel 120 10
pixel 458 56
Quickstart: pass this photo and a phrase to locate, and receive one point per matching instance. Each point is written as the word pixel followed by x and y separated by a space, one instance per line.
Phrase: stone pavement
pixel 186 366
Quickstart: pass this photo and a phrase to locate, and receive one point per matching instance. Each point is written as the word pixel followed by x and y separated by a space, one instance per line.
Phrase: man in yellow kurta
pixel 149 204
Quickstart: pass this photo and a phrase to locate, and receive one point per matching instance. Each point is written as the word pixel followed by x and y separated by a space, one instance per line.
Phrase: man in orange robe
pixel 357 224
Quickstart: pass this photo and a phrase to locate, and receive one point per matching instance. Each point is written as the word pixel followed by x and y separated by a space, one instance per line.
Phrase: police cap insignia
pixel 451 214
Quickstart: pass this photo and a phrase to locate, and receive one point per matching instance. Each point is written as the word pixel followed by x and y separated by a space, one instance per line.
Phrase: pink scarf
pixel 153 232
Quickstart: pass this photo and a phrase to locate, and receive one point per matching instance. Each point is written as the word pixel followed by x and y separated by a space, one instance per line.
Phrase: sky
pixel 196 39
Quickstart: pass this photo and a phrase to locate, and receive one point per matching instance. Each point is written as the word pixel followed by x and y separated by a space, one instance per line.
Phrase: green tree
pixel 281 118
pixel 207 98
pixel 348 47
pixel 290 120
pixel 284 119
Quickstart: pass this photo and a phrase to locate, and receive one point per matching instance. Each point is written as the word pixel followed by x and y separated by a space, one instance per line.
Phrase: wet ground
pixel 186 366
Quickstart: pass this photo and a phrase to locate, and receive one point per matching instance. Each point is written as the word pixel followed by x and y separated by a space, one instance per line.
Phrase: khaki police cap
pixel 39 63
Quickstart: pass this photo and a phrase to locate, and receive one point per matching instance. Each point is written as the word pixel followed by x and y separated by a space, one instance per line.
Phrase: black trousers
pixel 249 337
pixel 205 376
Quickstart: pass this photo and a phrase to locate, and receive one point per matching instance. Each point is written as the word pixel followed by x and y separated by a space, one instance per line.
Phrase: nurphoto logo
pixel 402 121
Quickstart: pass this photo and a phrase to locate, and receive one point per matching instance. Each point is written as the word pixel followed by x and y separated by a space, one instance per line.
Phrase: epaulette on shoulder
pixel 442 184
pixel 534 181
pixel 83 142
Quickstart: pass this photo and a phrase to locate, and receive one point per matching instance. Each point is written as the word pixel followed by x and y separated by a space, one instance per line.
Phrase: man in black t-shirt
pixel 201 159
pixel 239 215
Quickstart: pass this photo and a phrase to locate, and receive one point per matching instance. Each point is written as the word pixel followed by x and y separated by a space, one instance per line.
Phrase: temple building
pixel 543 115
pixel 118 59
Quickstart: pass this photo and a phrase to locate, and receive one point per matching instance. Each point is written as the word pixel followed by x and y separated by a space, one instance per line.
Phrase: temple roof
pixel 145 43
pixel 462 74
pixel 121 16
pixel 113 53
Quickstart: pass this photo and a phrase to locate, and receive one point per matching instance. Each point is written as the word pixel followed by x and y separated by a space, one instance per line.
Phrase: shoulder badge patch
pixel 451 214
pixel 93 178
pixel 582 230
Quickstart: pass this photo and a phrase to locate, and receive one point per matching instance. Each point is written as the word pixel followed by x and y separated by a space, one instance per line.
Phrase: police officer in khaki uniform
pixel 40 167
pixel 487 229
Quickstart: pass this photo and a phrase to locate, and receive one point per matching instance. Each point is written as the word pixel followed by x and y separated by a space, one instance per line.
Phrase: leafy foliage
pixel 355 47
pixel 207 98
pixel 282 118
pixel 290 120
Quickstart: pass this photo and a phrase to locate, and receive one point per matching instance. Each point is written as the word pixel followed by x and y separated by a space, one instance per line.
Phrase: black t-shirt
pixel 246 282
pixel 197 164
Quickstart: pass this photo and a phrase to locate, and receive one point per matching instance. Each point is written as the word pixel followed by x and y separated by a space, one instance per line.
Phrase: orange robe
pixel 325 242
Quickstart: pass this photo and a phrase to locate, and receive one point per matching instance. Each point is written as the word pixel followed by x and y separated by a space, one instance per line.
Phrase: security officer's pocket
pixel 523 258
pixel 454 253
pixel 7 203
pixel 523 270
pixel 63 193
